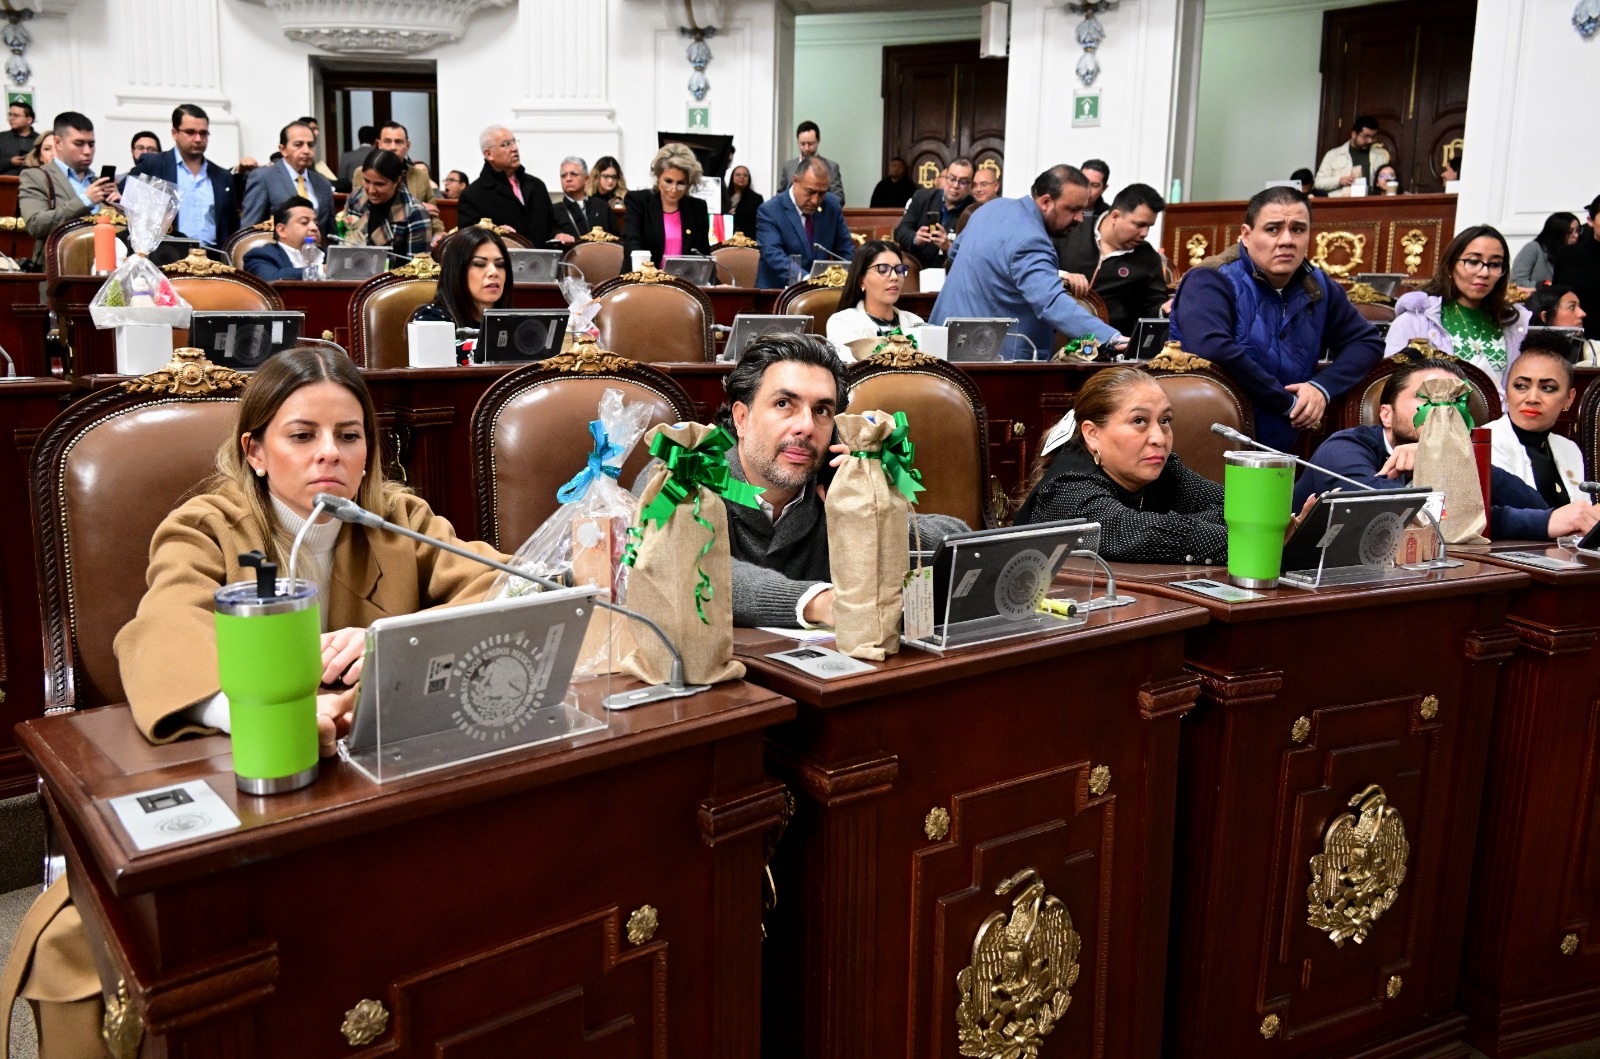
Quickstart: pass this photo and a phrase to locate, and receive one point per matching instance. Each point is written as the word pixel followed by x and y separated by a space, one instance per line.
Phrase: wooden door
pixel 1407 65
pixel 940 101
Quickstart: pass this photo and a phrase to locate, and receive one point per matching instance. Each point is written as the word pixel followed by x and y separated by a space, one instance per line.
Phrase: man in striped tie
pixel 293 174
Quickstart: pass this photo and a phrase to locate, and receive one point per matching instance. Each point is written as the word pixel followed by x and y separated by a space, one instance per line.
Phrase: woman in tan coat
pixel 306 426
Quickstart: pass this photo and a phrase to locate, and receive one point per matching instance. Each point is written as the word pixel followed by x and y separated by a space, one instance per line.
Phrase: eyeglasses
pixel 507 143
pixel 1478 264
pixel 959 182
pixel 885 269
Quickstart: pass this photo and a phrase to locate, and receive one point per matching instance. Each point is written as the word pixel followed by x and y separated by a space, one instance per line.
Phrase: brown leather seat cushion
pixel 944 428
pixel 541 439
pixel 597 261
pixel 219 294
pixel 819 303
pixel 654 323
pixel 743 262
pixel 125 475
pixel 1197 402
pixel 384 314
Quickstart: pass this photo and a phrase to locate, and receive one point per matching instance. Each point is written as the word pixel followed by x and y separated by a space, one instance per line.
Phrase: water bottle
pixel 313 256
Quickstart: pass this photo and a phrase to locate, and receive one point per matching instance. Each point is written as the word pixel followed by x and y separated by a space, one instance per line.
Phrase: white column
pixel 566 107
pixel 172 54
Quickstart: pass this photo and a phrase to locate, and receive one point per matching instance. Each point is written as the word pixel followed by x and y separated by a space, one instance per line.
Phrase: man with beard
pixel 1384 455
pixel 781 400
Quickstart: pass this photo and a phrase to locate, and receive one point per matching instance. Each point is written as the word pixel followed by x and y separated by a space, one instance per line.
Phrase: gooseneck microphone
pixel 830 253
pixel 1223 430
pixel 352 512
pixel 1592 488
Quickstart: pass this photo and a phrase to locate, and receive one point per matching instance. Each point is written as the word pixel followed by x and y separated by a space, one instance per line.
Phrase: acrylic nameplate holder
pixel 1351 539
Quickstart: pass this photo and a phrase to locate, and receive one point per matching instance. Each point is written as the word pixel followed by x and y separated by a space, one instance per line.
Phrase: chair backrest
pixel 380 309
pixel 743 262
pixel 530 434
pixel 509 235
pixel 210 286
pixel 912 284
pixel 1375 311
pixel 1201 395
pixel 597 261
pixel 1589 430
pixel 947 422
pixel 104 474
pixel 69 249
pixel 1360 407
pixel 245 240
pixel 816 300
pixel 654 318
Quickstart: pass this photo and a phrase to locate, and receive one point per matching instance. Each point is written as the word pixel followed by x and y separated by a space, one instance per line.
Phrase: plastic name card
pixel 432 343
pixel 165 815
pixel 916 603
pixel 1218 590
pixel 821 662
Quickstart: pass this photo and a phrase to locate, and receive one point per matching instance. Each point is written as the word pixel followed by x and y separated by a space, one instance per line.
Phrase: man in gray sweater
pixel 781 400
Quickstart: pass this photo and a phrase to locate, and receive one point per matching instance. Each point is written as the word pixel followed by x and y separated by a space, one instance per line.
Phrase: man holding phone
pixel 66 188
pixel 929 223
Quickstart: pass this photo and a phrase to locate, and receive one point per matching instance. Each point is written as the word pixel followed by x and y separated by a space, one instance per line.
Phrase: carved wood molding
pixel 752 812
pixel 1172 697
pixel 193 996
pixel 835 786
pixel 1496 645
pixel 1228 690
pixel 1548 641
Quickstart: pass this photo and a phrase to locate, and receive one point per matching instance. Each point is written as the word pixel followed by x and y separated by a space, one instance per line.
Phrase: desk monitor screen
pixel 1573 335
pixel 747 327
pixel 511 335
pixel 976 338
pixel 244 340
pixel 1355 528
pixel 1149 337
pixel 701 271
pixel 355 262
pixel 535 266
pixel 1002 573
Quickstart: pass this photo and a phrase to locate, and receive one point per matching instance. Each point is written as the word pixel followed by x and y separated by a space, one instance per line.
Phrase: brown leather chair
pixel 816 300
pixel 1360 405
pixel 654 318
pixel 69 249
pixel 947 422
pixel 1094 304
pixel 380 309
pixel 1589 430
pixel 597 261
pixel 509 235
pixel 530 434
pixel 912 284
pixel 103 475
pixel 1374 311
pixel 739 264
pixel 245 240
pixel 210 286
pixel 1201 395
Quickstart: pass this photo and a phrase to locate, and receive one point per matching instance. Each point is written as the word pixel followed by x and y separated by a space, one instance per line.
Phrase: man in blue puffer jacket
pixel 1264 315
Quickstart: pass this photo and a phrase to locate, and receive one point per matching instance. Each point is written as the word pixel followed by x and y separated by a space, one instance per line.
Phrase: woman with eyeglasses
pixel 607 184
pixel 667 220
pixel 1464 310
pixel 867 306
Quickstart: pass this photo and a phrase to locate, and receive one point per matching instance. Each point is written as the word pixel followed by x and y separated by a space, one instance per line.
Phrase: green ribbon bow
pixel 689 470
pixel 1459 404
pixel 898 455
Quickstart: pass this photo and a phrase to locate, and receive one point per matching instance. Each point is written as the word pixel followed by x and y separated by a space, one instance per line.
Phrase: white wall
pixel 1527 150
pixel 838 83
pixel 1260 94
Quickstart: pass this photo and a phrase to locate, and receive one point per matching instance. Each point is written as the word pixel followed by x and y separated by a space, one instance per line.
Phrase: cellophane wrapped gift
pixel 868 523
pixel 583 542
pixel 682 570
pixel 137 292
pixel 1445 461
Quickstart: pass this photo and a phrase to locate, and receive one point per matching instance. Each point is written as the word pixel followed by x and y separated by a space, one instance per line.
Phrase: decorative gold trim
pixel 1019 429
pixel 859 238
pixel 1569 945
pixel 1415 244
pixel 598 234
pixel 1392 987
pixel 423 266
pixel 121 1027
pixel 1269 1026
pixel 898 351
pixel 587 358
pixel 832 276
pixel 264 226
pixel 198 264
pixel 1099 780
pixel 1516 295
pixel 327 335
pixel 1367 294
pixel 1423 349
pixel 1357 876
pixel 937 823
pixel 648 273
pixel 12 224
pixel 991 165
pixel 1197 247
pixel 1171 358
pixel 1448 150
pixel 1300 729
pixel 365 1023
pixel 1016 989
pixel 927 174
pixel 1429 708
pixel 740 239
pixel 187 373
pixel 1354 242
pixel 642 924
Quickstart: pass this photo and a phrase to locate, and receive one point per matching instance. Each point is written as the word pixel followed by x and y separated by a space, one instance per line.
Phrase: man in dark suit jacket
pixel 787 225
pixel 577 213
pixel 350 161
pixel 291 175
pixel 505 192
pixel 931 243
pixel 213 221
pixel 294 222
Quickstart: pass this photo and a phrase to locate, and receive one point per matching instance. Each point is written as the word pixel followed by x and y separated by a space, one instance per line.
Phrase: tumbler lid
pixel 1252 458
pixel 243 599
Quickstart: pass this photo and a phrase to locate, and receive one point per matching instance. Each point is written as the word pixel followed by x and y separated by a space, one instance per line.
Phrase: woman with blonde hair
pixel 43 153
pixel 667 220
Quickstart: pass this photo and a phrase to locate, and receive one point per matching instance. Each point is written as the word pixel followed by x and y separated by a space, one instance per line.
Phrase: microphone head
pixel 1592 488
pixel 337 506
pixel 1223 430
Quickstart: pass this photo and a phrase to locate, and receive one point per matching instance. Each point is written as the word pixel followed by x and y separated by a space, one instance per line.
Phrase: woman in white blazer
pixel 1538 389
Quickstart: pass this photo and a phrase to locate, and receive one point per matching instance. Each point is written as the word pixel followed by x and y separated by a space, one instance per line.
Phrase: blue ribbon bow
pixel 603 450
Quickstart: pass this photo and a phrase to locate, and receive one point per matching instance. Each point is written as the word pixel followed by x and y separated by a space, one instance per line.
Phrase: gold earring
pixel 1096 454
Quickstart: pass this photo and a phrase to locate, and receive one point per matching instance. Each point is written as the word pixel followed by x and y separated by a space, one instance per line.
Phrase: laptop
pixel 244 340
pixel 976 338
pixel 1001 573
pixel 512 335
pixel 747 327
pixel 355 262
pixel 701 271
pixel 535 266
pixel 445 685
pixel 1149 337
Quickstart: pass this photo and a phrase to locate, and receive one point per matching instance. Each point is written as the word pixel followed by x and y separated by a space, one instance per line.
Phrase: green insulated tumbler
pixel 269 659
pixel 1258 491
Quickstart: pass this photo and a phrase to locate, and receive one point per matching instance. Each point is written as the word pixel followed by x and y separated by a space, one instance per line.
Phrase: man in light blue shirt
pixel 206 208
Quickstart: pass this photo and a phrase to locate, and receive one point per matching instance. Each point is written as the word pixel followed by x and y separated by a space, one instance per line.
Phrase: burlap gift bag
pixel 868 508
pixel 682 575
pixel 1445 461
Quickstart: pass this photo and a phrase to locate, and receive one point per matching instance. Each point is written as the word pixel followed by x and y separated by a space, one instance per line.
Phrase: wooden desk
pixel 15 243
pixel 485 906
pixel 923 786
pixel 24 318
pixel 1537 882
pixel 1307 698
